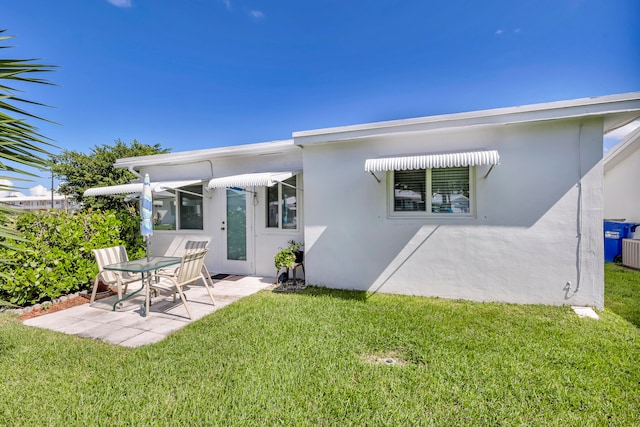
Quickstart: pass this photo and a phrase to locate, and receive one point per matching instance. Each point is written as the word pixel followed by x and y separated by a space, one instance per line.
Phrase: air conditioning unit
pixel 631 253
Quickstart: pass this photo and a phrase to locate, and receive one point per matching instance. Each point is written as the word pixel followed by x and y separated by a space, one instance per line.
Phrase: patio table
pixel 143 266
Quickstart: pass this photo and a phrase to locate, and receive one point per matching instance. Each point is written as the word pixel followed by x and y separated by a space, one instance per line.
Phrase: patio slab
pixel 128 327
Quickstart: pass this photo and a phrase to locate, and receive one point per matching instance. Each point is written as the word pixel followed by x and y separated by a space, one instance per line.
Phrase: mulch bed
pixel 288 286
pixel 63 305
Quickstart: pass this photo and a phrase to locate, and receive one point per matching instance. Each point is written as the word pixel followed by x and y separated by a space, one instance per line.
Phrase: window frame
pixel 392 213
pixel 175 200
pixel 279 228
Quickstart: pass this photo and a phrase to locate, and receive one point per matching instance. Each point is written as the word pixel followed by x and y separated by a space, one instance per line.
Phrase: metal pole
pixel 52 188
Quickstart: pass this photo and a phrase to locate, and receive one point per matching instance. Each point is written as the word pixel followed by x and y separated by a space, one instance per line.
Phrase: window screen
pixel 190 208
pixel 409 191
pixel 272 207
pixel 432 191
pixel 289 204
pixel 282 205
pixel 450 190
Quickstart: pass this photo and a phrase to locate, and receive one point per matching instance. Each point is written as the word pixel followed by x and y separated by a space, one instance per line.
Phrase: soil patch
pixel 63 305
pixel 288 286
pixel 388 358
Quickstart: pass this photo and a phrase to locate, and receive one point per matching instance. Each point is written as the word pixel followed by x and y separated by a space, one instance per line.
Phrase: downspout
pixel 578 221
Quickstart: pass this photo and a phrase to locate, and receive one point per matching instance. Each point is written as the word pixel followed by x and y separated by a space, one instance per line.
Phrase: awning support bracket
pixel 244 190
pixel 489 171
pixel 288 185
pixel 178 190
pixel 374 175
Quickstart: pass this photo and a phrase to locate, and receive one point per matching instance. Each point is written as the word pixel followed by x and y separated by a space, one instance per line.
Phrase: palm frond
pixel 21 145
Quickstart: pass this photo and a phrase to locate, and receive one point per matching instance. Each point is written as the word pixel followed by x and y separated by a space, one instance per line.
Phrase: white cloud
pixel 517 30
pixel 256 14
pixel 499 32
pixel 120 3
pixel 6 184
pixel 227 4
pixel 39 190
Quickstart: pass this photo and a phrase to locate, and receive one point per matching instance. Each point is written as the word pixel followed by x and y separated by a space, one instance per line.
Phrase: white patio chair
pixel 188 272
pixel 189 247
pixel 119 279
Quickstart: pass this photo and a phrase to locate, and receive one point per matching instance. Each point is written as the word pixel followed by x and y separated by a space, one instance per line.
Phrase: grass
pixel 622 292
pixel 314 359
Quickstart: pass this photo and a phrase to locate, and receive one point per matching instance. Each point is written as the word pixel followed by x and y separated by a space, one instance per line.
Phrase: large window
pixel 436 192
pixel 282 205
pixel 180 209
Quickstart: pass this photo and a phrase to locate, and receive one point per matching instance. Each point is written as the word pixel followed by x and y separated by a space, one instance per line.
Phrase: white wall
pixel 264 242
pixel 622 188
pixel 522 246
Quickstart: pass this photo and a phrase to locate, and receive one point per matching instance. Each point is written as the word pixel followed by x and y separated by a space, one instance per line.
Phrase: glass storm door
pixel 237 230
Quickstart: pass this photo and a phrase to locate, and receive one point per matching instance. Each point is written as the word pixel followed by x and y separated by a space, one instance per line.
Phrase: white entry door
pixel 237 231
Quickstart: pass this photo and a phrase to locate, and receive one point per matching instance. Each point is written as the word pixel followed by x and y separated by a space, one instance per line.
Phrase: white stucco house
pixel 22 202
pixel 622 180
pixel 246 200
pixel 496 205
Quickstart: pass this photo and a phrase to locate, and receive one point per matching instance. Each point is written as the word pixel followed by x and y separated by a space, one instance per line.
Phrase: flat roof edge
pixel 600 105
pixel 207 153
pixel 620 151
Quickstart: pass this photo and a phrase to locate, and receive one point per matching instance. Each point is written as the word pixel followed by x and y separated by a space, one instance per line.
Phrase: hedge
pixel 54 257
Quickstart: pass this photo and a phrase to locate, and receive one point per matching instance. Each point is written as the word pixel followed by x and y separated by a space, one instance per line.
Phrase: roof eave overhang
pixel 617 110
pixel 187 157
pixel 621 151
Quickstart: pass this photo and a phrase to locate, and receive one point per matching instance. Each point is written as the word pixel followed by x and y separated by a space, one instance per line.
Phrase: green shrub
pixel 286 257
pixel 54 257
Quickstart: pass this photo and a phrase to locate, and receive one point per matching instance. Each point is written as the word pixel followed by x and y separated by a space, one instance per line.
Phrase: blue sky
pixel 196 74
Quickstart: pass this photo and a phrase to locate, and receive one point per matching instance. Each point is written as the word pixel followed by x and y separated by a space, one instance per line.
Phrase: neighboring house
pixel 622 180
pixel 38 203
pixel 496 205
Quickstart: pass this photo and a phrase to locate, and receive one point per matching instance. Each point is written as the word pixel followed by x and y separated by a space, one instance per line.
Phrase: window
pixel 437 192
pixel 179 209
pixel 282 205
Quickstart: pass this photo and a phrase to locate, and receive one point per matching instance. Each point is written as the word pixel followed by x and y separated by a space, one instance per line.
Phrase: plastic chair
pixel 119 279
pixel 189 272
pixel 189 247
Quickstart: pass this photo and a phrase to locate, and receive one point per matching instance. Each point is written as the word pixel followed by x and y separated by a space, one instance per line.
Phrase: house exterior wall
pixel 622 189
pixel 263 242
pixel 536 236
pixel 38 203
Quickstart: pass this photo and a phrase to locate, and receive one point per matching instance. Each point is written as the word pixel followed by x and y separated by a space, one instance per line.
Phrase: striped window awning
pixel 136 187
pixel 262 179
pixel 433 161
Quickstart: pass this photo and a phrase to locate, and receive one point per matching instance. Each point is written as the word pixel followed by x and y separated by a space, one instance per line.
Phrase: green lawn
pixel 622 292
pixel 314 359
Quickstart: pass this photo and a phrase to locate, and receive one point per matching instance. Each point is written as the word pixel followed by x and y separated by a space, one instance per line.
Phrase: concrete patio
pixel 128 327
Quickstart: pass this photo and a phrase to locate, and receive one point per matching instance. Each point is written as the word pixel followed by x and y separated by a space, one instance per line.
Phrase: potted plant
pixel 297 251
pixel 287 257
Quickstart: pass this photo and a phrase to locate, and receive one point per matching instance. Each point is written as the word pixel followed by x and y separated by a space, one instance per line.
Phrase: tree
pixel 21 145
pixel 79 171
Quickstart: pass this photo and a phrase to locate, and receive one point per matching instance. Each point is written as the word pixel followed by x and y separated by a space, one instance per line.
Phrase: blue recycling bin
pixel 614 232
